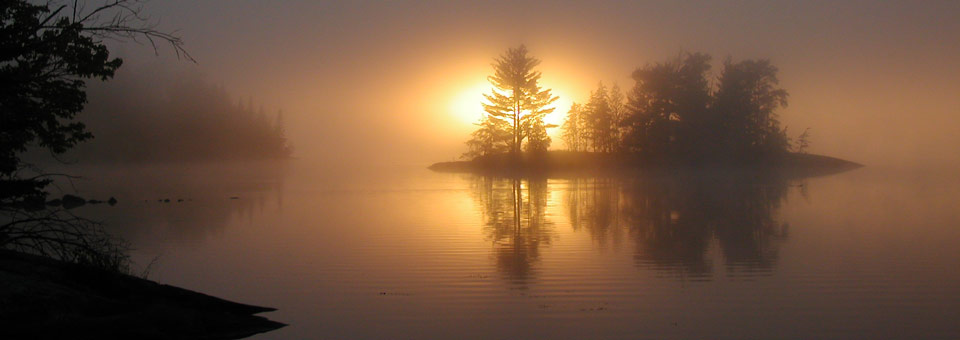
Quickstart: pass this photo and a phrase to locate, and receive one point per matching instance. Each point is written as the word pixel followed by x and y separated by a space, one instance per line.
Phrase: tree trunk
pixel 516 123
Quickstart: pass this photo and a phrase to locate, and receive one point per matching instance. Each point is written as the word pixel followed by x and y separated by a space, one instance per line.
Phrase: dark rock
pixel 94 202
pixel 54 202
pixel 58 300
pixel 112 201
pixel 166 200
pixel 71 201
pixel 33 203
pixel 234 197
pixel 179 200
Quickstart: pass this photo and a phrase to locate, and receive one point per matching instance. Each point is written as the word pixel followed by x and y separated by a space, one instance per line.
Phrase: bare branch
pixel 52 15
pixel 126 21
pixel 59 234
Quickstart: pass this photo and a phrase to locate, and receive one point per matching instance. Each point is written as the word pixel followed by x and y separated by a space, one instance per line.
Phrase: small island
pixel 673 117
pixel 575 164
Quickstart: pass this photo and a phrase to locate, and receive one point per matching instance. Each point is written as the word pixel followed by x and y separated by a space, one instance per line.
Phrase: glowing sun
pixel 467 105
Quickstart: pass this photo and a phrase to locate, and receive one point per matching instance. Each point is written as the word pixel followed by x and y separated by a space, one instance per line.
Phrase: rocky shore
pixel 42 298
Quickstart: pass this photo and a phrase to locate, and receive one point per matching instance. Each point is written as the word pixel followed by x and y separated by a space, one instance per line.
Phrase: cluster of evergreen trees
pixel 191 121
pixel 595 126
pixel 672 113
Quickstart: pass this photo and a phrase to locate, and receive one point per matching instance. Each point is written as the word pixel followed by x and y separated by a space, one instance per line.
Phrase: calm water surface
pixel 405 253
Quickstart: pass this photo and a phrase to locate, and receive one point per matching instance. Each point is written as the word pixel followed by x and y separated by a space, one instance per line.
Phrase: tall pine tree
pixel 518 100
pixel 600 121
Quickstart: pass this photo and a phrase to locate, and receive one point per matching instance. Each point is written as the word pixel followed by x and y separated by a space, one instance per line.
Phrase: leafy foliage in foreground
pixel 48 52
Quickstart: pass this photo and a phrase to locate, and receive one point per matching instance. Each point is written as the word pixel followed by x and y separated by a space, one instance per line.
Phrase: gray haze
pixel 371 82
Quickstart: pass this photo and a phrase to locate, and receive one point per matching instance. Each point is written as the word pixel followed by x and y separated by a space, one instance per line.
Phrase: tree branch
pixel 127 21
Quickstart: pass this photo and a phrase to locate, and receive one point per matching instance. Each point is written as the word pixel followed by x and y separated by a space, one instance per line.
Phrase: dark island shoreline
pixel 44 298
pixel 580 164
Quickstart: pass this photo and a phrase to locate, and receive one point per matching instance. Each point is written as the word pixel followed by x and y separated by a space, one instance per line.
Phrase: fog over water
pixel 403 252
pixel 626 235
pixel 377 83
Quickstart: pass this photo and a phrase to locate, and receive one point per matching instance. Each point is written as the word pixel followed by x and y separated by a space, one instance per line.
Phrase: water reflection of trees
pixel 679 221
pixel 681 225
pixel 592 204
pixel 514 217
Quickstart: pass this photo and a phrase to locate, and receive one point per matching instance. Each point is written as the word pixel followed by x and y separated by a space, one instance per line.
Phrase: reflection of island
pixel 514 213
pixel 675 221
pixel 592 204
pixel 682 224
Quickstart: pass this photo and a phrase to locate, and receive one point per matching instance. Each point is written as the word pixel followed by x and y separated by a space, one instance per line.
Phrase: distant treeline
pixel 191 121
pixel 673 113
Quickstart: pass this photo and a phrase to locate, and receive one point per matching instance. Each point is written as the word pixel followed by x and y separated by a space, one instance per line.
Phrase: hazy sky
pixel 876 81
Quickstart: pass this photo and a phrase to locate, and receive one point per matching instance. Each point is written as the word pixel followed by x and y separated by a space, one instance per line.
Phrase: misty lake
pixel 401 252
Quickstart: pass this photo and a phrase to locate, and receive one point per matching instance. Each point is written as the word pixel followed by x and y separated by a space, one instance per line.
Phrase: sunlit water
pixel 405 253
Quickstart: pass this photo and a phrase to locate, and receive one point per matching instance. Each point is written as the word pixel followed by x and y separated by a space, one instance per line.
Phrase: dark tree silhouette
pixel 46 57
pixel 518 100
pixel 803 142
pixel 537 138
pixel 492 137
pixel 746 102
pixel 596 125
pixel 618 111
pixel 668 106
pixel 47 54
pixel 673 115
pixel 600 120
pixel 191 120
pixel 573 127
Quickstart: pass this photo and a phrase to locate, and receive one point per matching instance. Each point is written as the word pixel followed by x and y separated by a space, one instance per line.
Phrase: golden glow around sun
pixel 467 105
pixel 560 113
